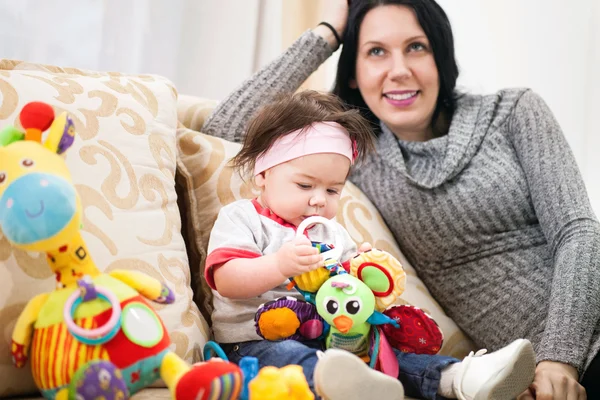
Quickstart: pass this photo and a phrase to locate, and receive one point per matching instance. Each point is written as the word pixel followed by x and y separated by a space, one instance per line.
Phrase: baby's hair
pixel 290 112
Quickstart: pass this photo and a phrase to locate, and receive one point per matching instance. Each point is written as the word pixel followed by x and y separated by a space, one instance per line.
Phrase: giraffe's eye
pixel 2 177
pixel 27 163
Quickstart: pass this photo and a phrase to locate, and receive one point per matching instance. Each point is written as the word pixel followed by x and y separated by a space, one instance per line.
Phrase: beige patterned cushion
pixel 193 111
pixel 146 394
pixel 123 163
pixel 210 184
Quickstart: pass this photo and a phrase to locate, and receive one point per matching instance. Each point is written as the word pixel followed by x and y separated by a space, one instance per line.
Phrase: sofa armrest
pixel 192 111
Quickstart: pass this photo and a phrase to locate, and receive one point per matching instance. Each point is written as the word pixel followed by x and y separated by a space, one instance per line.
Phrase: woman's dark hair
pixel 435 24
pixel 290 112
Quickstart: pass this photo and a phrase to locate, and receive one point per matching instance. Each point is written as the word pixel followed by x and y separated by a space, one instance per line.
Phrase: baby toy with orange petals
pixel 95 336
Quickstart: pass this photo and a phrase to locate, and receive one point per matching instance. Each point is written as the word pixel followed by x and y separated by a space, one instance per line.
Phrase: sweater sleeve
pixel 569 225
pixel 285 74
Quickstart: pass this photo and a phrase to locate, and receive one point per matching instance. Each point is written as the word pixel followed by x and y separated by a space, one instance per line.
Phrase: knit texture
pixel 494 216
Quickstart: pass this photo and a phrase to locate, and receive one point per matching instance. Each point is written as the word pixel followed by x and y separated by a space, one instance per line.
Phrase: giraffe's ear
pixel 38 117
pixel 61 134
pixel 9 135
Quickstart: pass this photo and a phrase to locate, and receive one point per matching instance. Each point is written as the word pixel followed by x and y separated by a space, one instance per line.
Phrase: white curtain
pixel 206 47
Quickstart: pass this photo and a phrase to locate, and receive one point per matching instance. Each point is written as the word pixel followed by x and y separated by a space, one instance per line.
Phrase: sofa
pixel 152 184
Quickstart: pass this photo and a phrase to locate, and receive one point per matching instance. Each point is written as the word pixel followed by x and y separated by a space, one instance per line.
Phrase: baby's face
pixel 306 186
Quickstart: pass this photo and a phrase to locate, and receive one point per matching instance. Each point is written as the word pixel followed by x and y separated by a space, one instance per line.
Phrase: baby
pixel 300 150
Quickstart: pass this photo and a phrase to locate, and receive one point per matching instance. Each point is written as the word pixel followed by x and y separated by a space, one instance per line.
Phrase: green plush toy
pixel 346 304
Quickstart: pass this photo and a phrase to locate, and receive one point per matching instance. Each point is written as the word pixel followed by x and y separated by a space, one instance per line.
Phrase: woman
pixel 481 192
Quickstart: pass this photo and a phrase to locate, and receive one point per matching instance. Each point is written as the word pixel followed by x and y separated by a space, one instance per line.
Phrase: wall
pixel 542 44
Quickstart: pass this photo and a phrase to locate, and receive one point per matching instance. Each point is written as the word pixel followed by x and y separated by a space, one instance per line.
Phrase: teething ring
pixel 98 335
pixel 212 348
pixel 336 252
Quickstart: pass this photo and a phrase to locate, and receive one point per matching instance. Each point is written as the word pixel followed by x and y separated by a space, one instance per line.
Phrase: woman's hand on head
pixel 554 381
pixel 335 12
pixel 297 257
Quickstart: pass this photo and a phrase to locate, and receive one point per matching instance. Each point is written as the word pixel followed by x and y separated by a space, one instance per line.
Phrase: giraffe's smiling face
pixel 39 207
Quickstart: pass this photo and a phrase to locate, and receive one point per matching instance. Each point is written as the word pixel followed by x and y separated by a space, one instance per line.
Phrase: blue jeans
pixel 419 373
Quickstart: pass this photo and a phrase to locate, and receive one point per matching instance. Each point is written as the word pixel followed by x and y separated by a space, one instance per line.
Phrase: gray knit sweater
pixel 494 216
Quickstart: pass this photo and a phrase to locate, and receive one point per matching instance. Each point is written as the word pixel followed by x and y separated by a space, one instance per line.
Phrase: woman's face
pixel 396 72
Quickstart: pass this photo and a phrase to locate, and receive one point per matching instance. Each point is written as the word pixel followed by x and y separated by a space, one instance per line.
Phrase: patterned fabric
pixel 18 354
pixel 52 368
pixel 418 333
pixel 301 316
pixel 355 344
pixel 208 184
pixel 101 380
pixel 223 378
pixel 146 394
pixel 123 163
pixel 492 210
pixel 394 272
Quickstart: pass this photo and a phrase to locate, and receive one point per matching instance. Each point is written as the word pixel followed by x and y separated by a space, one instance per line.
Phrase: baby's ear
pixel 259 180
pixel 61 134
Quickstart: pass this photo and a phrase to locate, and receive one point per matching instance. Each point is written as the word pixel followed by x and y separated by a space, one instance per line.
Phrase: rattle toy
pixel 351 308
pixel 270 383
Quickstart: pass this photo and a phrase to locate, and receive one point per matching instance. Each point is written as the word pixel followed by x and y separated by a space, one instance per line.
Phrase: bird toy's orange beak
pixel 343 323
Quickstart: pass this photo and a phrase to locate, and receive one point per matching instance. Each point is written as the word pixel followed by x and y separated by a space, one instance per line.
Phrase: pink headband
pixel 320 137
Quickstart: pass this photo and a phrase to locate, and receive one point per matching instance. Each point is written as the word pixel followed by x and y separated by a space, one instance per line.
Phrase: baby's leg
pixel 503 374
pixel 421 374
pixel 280 354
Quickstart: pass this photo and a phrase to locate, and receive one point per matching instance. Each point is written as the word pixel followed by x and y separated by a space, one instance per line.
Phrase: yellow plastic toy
pixel 95 336
pixel 273 383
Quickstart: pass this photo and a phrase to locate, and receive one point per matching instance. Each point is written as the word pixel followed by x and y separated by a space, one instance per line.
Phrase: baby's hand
pixel 366 246
pixel 298 256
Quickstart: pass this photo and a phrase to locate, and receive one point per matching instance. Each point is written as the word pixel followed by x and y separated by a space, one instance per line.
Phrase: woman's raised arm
pixel 285 74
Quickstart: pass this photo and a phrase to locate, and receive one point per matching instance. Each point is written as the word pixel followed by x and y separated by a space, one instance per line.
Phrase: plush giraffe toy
pixel 95 336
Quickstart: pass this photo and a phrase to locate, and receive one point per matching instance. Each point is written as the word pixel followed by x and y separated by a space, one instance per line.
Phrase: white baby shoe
pixel 501 375
pixel 340 375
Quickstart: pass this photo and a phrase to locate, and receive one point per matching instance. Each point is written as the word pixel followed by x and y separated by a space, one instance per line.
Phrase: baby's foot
pixel 340 375
pixel 503 374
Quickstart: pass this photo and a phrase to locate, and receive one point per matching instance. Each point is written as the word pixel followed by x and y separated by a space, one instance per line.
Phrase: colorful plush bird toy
pixel 95 336
pixel 349 307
